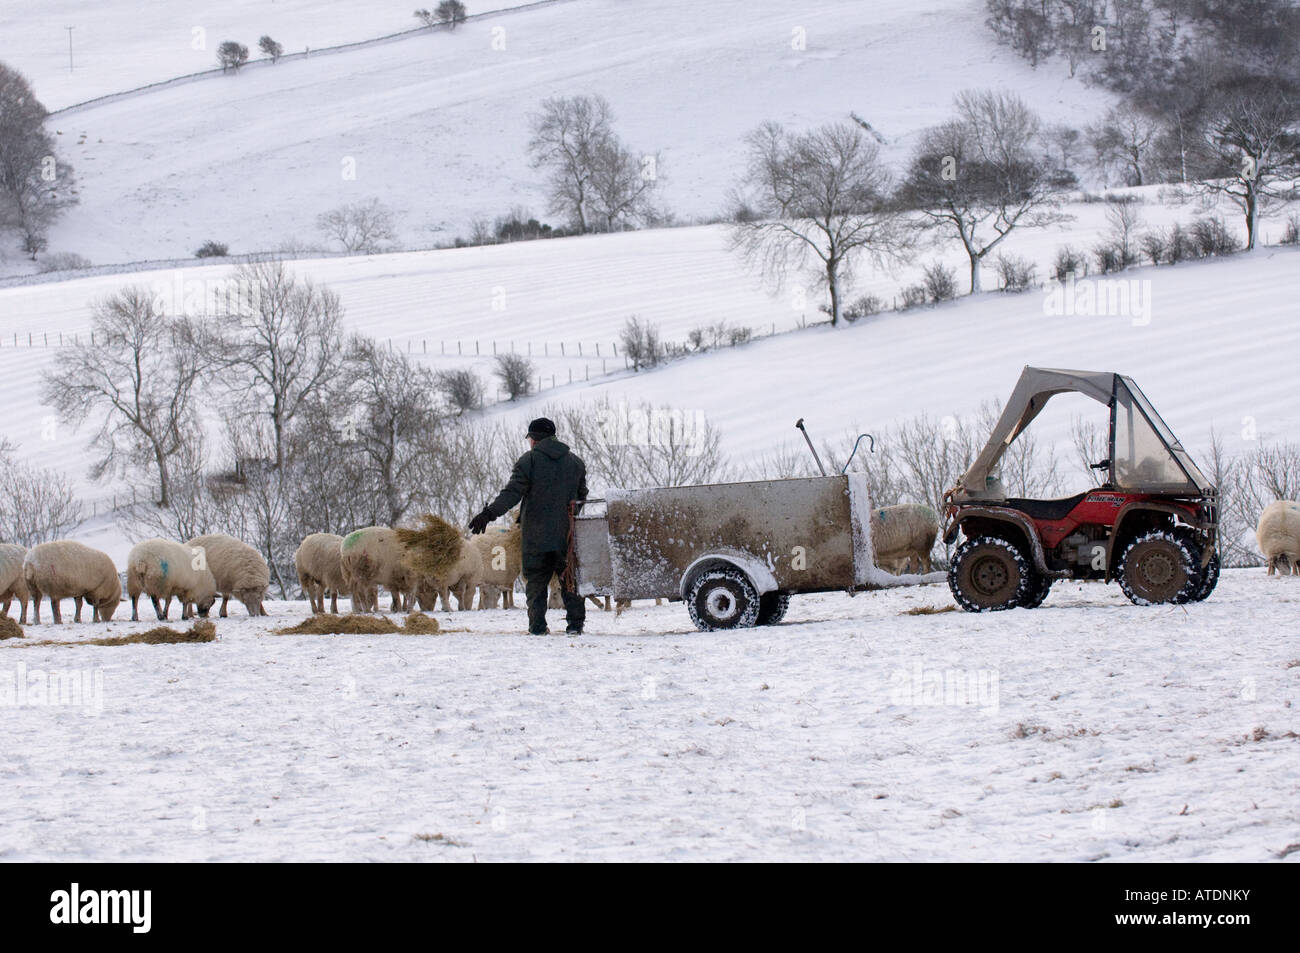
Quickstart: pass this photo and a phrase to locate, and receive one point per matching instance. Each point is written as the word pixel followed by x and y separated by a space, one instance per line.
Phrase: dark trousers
pixel 538 570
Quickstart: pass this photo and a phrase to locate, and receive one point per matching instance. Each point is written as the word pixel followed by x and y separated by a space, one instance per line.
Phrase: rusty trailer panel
pixel 801 531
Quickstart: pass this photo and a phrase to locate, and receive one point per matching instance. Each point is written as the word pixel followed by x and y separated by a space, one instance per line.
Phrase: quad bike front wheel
pixel 989 574
pixel 1160 567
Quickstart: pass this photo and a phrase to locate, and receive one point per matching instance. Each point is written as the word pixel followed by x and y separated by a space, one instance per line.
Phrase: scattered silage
pixel 202 631
pixel 9 629
pixel 417 623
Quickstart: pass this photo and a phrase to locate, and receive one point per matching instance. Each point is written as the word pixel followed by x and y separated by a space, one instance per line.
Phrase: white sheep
pixel 239 569
pixel 462 580
pixel 13 585
pixel 319 561
pixel 501 554
pixel 904 534
pixel 162 569
pixel 1278 534
pixel 68 570
pixel 373 557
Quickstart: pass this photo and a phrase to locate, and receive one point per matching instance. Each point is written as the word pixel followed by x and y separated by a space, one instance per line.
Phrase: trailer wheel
pixel 722 599
pixel 989 574
pixel 772 607
pixel 1159 567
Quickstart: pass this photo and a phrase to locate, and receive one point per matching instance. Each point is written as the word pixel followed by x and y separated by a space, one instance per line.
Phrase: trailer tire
pixel 722 598
pixel 772 607
pixel 989 574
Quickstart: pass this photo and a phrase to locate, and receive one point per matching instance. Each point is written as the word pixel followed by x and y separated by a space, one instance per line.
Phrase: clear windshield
pixel 1147 455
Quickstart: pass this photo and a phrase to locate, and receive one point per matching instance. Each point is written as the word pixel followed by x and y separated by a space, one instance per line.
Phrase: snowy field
pixel 437 126
pixel 1086 730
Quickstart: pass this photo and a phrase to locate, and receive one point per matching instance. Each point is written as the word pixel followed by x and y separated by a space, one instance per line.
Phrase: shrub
pixel 1291 236
pixel 739 336
pixel 64 261
pixel 519 226
pixel 1179 246
pixel 232 55
pixel 1016 273
pixel 863 307
pixel 516 375
pixel 912 296
pixel 1069 261
pixel 1109 257
pixel 211 249
pixel 1154 246
pixel 462 388
pixel 640 340
pixel 1212 237
pixel 940 282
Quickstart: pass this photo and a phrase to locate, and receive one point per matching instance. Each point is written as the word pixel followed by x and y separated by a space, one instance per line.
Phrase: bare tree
pixel 232 55
pixel 622 186
pixel 516 375
pixel 569 135
pixel 35 186
pixel 823 193
pixel 1251 137
pixel 396 429
pixel 984 170
pixel 1124 219
pixel 462 389
pixel 271 48
pixel 640 340
pixel 283 352
pixel 1125 140
pixel 366 227
pixel 36 505
pixel 139 379
pixel 451 13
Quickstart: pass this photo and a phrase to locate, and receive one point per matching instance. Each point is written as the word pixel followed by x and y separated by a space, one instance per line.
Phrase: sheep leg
pixel 167 607
pixel 77 601
pixel 334 602
pixel 36 604
pixel 225 601
pixel 157 608
pixel 135 607
pixel 54 610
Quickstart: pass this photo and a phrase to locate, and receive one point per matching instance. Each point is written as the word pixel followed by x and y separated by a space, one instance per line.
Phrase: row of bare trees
pixel 268 421
pixel 35 185
pixel 826 195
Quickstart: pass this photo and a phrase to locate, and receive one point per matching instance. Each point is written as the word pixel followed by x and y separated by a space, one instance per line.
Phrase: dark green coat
pixel 545 480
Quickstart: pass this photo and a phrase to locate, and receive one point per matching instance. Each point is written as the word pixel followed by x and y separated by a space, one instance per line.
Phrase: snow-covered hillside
pixel 437 125
pixel 1211 345
pixel 1086 730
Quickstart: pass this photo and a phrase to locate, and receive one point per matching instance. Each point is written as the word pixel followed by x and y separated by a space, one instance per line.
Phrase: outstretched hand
pixel 479 524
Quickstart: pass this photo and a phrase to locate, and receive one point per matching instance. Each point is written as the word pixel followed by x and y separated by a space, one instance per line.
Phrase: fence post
pixel 616 349
pixel 546 349
pixel 598 349
pixel 458 350
pixel 476 347
pixel 494 347
pixel 561 349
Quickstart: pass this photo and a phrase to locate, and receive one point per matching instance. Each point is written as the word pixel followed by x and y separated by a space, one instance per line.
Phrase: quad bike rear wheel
pixel 1209 579
pixel 1160 567
pixel 989 574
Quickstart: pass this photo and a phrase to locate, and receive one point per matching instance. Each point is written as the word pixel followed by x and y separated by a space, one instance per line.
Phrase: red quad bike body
pixel 1152 524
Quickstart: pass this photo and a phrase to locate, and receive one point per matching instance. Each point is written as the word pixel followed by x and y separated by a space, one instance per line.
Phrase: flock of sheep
pixel 198 571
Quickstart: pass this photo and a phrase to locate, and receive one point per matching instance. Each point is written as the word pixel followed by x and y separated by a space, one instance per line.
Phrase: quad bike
pixel 1152 525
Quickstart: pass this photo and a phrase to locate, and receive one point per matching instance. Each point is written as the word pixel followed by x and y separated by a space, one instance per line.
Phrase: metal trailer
pixel 733 552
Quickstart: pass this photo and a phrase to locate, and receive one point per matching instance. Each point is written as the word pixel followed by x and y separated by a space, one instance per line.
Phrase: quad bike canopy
pixel 1145 456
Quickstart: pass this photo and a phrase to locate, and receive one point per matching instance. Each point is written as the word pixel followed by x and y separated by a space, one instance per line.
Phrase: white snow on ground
pixel 1096 730
pixel 437 126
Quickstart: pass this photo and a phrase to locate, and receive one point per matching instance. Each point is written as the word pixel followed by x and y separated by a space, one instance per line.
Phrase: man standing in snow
pixel 545 480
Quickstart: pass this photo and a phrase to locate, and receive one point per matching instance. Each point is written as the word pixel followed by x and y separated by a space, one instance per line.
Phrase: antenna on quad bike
pixel 803 430
pixel 871 448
